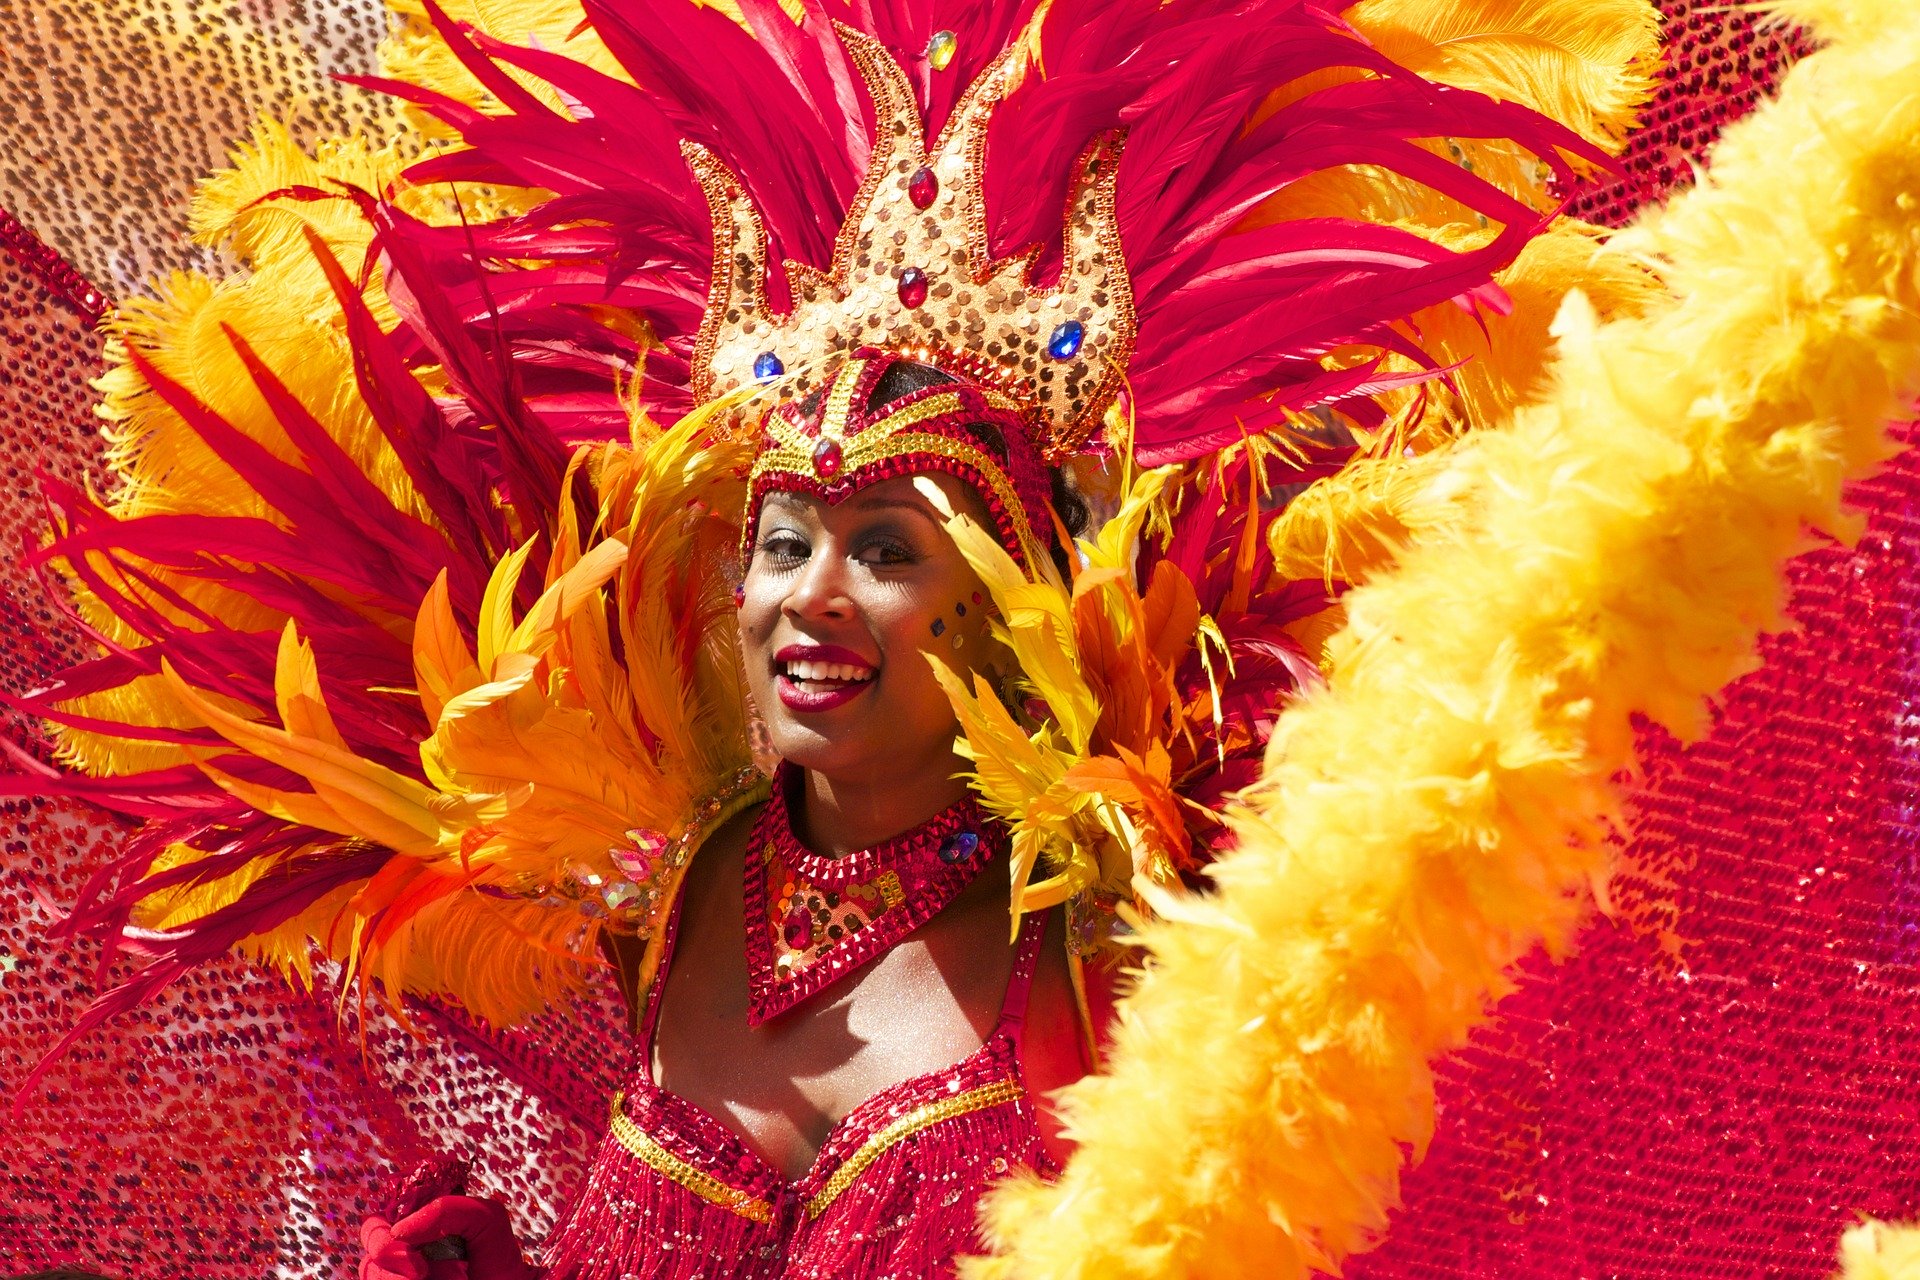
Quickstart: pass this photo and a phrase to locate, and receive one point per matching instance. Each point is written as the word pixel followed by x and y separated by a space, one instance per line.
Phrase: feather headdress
pixel 431 669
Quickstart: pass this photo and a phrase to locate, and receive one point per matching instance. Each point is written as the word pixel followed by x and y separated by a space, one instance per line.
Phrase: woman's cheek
pixel 954 637
pixel 755 622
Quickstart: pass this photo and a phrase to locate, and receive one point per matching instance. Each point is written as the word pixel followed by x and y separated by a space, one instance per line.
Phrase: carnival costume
pixel 437 671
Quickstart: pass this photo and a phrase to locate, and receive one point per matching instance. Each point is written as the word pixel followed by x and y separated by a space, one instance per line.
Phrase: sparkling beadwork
pixel 827 456
pixel 913 287
pixel 959 846
pixel 619 894
pixel 639 858
pixel 1064 342
pixel 940 49
pixel 810 919
pixel 922 187
pixel 767 367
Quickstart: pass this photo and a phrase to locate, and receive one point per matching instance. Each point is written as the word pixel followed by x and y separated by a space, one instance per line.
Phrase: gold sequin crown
pixel 912 272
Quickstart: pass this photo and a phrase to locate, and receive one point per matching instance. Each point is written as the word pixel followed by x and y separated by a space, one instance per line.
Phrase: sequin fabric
pixel 1726 1074
pixel 111 111
pixel 892 1194
pixel 811 921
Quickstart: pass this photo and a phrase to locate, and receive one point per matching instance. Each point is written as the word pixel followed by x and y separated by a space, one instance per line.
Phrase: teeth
pixel 827 671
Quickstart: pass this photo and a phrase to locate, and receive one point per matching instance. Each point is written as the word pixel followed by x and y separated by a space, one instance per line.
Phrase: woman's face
pixel 841 607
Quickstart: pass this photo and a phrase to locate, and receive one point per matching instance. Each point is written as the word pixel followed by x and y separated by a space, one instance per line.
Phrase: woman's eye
pixel 783 548
pixel 885 551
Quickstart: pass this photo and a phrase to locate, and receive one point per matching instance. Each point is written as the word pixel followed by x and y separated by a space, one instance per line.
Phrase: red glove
pixel 449 1238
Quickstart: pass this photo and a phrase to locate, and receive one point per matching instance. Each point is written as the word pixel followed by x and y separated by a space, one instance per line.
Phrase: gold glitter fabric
pixel 111 111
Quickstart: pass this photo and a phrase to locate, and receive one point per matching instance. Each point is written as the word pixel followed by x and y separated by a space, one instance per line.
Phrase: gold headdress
pixel 912 271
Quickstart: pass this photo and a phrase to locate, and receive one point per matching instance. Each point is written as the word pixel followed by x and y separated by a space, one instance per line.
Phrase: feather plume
pixel 1444 805
pixel 1879 1251
pixel 1155 674
pixel 1588 65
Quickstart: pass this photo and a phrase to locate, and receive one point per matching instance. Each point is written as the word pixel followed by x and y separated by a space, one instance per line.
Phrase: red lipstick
pixel 819 693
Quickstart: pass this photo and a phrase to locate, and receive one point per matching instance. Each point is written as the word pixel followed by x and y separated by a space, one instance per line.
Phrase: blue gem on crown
pixel 1064 342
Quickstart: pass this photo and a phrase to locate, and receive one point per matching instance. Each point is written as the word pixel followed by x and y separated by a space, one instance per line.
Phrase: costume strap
pixel 1026 959
pixel 662 954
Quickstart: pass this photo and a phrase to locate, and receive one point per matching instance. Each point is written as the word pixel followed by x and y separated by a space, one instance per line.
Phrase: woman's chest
pixel 924 1005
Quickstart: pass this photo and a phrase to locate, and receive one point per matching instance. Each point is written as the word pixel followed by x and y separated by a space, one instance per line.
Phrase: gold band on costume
pixel 642 1146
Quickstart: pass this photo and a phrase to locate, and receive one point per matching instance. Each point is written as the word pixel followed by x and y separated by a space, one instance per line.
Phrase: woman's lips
pixel 797 697
pixel 819 677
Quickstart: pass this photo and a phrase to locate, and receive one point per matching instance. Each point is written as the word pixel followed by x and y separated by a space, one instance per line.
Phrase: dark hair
pixel 902 378
pixel 1073 513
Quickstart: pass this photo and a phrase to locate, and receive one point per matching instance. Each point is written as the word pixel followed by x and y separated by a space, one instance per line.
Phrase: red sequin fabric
pixel 892 1195
pixel 1723 1078
pixel 811 921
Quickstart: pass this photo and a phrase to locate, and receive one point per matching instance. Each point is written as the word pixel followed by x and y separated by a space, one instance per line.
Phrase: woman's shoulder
pixel 727 838
pixel 638 958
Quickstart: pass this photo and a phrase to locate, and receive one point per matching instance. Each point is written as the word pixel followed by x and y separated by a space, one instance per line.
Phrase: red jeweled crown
pixel 839 438
pixel 912 273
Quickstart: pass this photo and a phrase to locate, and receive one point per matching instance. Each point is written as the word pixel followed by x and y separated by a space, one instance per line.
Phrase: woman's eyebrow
pixel 883 503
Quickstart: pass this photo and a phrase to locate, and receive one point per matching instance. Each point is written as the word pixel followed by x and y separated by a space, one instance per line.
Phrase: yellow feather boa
pixel 1442 808
pixel 1878 1251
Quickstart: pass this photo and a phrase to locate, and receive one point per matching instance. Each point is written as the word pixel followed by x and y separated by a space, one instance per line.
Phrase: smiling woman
pixel 878 991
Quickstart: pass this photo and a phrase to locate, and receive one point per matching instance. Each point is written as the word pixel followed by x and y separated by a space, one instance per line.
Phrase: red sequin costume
pixel 894 1191
pixel 567 396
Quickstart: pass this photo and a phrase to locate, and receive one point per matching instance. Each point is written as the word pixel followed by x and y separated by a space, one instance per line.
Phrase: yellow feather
pixel 1443 806
pixel 358 797
pixel 296 692
pixel 1880 1251
pixel 495 632
pixel 1589 64
pixel 1036 620
pixel 169 908
pixel 443 666
pixel 579 585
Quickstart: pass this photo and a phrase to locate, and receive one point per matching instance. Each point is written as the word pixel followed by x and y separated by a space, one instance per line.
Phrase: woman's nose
pixel 820 590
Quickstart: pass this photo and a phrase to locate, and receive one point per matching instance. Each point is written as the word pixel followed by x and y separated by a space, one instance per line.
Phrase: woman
pixel 838 1093
pixel 440 673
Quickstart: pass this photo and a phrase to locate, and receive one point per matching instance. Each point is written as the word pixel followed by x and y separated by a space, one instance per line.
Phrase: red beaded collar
pixel 811 920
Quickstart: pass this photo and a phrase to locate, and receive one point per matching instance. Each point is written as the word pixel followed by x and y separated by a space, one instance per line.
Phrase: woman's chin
pixel 829 742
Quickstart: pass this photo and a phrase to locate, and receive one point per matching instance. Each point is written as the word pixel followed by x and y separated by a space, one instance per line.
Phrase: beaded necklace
pixel 811 920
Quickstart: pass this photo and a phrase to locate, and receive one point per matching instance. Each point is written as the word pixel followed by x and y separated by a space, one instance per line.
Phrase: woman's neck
pixel 837 816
